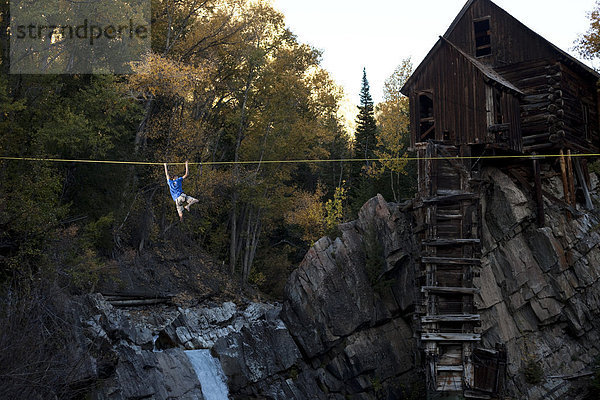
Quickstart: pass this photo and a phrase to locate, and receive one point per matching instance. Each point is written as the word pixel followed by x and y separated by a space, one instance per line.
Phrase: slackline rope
pixel 537 156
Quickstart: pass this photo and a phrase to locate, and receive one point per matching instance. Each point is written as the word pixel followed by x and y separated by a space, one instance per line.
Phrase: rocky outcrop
pixel 539 287
pixel 143 350
pixel 344 330
pixel 346 304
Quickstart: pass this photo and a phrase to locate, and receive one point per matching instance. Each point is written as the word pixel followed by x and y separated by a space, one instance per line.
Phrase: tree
pixel 588 44
pixel 365 138
pixel 237 87
pixel 393 135
pixel 362 185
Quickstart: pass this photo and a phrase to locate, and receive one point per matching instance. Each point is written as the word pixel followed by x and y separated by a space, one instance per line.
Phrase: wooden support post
pixel 538 192
pixel 565 182
pixel 571 178
pixel 586 172
pixel 584 187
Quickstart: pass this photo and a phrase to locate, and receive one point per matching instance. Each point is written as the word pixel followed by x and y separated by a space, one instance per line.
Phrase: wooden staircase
pixel 448 215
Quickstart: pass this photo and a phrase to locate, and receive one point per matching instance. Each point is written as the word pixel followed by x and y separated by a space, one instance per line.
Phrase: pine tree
pixel 365 138
pixel 363 185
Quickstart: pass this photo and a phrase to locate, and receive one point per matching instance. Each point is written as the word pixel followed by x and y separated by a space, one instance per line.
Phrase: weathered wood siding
pixel 552 108
pixel 458 89
pixel 578 93
pixel 511 41
pixel 539 80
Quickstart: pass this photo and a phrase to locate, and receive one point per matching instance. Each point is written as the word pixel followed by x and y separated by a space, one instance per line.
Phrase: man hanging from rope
pixel 176 188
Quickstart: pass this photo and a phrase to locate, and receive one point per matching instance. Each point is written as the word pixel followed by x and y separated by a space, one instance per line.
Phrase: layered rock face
pixel 347 306
pixel 344 330
pixel 540 293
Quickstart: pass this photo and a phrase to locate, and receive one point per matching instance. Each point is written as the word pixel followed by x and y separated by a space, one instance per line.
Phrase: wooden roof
pixel 569 58
pixel 486 70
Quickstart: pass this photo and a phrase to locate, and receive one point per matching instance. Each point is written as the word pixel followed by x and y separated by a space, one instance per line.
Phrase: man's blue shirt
pixel 176 187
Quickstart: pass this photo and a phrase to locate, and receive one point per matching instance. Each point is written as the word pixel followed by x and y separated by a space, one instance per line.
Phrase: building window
pixel 426 120
pixel 493 106
pixel 483 42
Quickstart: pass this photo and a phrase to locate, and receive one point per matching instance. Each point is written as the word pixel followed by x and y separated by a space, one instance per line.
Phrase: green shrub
pixel 533 372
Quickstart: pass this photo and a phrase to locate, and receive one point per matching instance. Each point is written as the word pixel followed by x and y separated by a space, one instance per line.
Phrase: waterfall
pixel 210 374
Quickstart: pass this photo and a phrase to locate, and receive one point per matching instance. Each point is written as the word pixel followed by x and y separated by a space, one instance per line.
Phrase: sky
pixel 379 34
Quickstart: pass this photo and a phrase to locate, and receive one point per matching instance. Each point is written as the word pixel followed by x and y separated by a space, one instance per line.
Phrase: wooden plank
pixel 583 183
pixel 449 368
pixel 451 199
pixel 449 260
pixel 449 216
pixel 451 337
pixel 450 242
pixel 137 303
pixel 548 195
pixel 430 319
pixel 536 147
pixel 571 179
pixel 449 290
pixel 472 394
pixel 565 182
pixel 534 138
pixel 538 193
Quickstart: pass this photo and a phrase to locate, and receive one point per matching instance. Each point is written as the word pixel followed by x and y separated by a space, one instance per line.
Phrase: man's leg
pixel 179 204
pixel 190 200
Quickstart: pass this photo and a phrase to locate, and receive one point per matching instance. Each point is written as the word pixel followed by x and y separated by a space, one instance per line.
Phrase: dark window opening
pixel 483 42
pixel 494 106
pixel 426 121
pixel 497 106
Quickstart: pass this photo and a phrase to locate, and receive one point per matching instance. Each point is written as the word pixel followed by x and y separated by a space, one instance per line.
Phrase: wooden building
pixel 490 80
pixel 489 86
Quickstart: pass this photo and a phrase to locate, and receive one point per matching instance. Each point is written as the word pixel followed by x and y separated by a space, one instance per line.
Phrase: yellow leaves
pixel 393 120
pixel 308 213
pixel 335 208
pixel 588 44
pixel 160 76
pixel 315 218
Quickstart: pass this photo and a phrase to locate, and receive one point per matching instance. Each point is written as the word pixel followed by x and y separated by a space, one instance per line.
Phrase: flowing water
pixel 210 374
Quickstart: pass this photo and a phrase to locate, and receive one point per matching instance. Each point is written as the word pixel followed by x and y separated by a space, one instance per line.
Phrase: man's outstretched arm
pixel 167 172
pixel 186 170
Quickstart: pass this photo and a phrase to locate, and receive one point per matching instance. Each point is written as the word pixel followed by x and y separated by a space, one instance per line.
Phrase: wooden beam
pixel 538 193
pixel 449 290
pixel 534 138
pixel 538 147
pixel 565 182
pixel 571 179
pixel 586 194
pixel 471 394
pixel 449 216
pixel 450 260
pixel 451 337
pixel 137 303
pixel 548 195
pixel 431 319
pixel 450 199
pixel 449 368
pixel 450 242
pixel 424 135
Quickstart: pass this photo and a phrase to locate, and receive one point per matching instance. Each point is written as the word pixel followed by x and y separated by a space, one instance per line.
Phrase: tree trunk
pixel 236 176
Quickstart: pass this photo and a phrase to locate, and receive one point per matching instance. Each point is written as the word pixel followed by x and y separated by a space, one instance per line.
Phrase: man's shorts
pixel 182 200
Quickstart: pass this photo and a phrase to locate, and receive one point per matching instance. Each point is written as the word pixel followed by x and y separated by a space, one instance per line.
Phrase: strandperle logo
pixel 84 31
pixel 66 37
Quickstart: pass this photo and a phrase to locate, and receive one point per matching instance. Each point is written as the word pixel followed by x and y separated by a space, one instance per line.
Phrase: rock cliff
pixel 345 328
